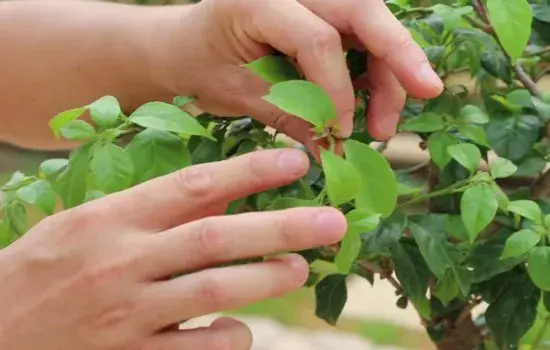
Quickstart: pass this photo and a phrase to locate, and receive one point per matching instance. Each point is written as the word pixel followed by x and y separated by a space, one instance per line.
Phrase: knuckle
pixel 210 239
pixel 213 293
pixel 194 181
pixel 114 315
pixel 285 231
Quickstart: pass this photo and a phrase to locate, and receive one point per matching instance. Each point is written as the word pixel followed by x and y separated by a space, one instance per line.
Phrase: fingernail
pixel 298 265
pixel 292 160
pixel 331 226
pixel 427 75
pixel 345 126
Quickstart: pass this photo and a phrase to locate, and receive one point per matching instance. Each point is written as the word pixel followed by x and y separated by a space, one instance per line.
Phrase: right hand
pixel 101 276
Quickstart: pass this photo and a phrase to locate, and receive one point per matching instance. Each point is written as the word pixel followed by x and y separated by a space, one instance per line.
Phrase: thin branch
pixel 542 51
pixel 376 269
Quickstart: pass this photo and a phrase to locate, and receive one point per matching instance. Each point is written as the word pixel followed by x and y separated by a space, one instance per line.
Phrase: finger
pixel 385 37
pixel 222 239
pixel 224 333
pixel 294 30
pixel 224 288
pixel 386 102
pixel 159 203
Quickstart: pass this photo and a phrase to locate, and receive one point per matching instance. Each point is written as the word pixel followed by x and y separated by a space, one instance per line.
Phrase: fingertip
pixel 331 225
pixel 299 266
pixel 293 161
pixel 382 127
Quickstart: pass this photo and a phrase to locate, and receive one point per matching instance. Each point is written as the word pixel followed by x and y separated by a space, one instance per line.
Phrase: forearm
pixel 58 55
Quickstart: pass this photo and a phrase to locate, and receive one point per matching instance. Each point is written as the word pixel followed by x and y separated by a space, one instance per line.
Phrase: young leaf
pixel 511 20
pixel 466 154
pixel 426 122
pixel 39 193
pixel 438 143
pixel 474 133
pixel 6 238
pixel 62 119
pixel 538 265
pixel 451 15
pixel 520 243
pixel 273 69
pixel 303 99
pixel 472 114
pixel 105 111
pixel 112 168
pixel 289 202
pixel 166 117
pixel 52 167
pixel 359 221
pixel 526 208
pixel 502 168
pixel 17 180
pixel 342 181
pixel 77 130
pixel 156 153
pixel 16 215
pixel 331 295
pixel 71 183
pixel 378 190
pixel 501 197
pixel 478 207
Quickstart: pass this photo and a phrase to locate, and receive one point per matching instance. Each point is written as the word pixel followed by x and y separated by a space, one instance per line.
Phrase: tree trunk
pixel 461 336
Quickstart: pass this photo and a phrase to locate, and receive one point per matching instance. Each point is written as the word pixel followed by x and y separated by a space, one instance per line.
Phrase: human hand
pixel 220 36
pixel 101 276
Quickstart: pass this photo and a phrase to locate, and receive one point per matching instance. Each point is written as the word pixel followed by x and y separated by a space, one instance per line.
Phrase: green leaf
pixel 39 193
pixel 513 137
pixel 6 237
pixel 438 143
pixel 455 227
pixel 378 191
pixel 478 207
pixel 514 311
pixel 71 183
pixel 77 130
pixel 52 167
pixel 62 119
pixel 331 295
pixel 342 181
pixel 474 133
pixel 303 99
pixel 466 154
pixel 181 101
pixel 289 202
pixel 385 235
pixel 426 122
pixel 157 153
pixel 526 208
pixel 501 197
pixel 359 221
pixel 502 168
pixel 166 117
pixel 511 20
pixel 105 111
pixel 93 194
pixel 473 114
pixel 538 265
pixel 112 168
pixel 273 69
pixel 546 300
pixel 412 272
pixel 16 215
pixel 455 283
pixel 17 180
pixel 520 243
pixel 451 16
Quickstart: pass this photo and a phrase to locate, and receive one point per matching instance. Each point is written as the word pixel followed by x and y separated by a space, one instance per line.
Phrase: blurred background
pixel 371 319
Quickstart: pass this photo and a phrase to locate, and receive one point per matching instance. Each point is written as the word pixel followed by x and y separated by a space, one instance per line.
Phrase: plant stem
pixel 540 335
pixel 451 189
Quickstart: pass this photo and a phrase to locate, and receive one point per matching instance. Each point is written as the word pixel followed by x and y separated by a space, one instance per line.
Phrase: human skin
pixel 99 276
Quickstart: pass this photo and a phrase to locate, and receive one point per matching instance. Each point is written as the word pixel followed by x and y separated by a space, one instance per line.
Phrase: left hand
pixel 219 36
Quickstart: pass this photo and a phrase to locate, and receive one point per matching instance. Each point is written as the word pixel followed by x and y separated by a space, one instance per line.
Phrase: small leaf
pixel 449 287
pixel 112 168
pixel 331 295
pixel 538 265
pixel 513 137
pixel 39 193
pixel 473 114
pixel 105 111
pixel 478 207
pixel 526 208
pixel 501 197
pixel 303 99
pixel 51 167
pixel 520 243
pixel 62 119
pixel 77 130
pixel 474 133
pixel 342 181
pixel 426 122
pixel 359 221
pixel 166 117
pixel 273 69
pixel 71 183
pixel 17 180
pixel 16 215
pixel 386 234
pixel 511 20
pixel 289 202
pixel 181 101
pixel 502 168
pixel 378 190
pixel 466 154
pixel 451 16
pixel 438 143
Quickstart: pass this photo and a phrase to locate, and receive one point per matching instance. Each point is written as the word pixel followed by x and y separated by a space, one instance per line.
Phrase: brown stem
pixel 467 311
pixel 376 269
